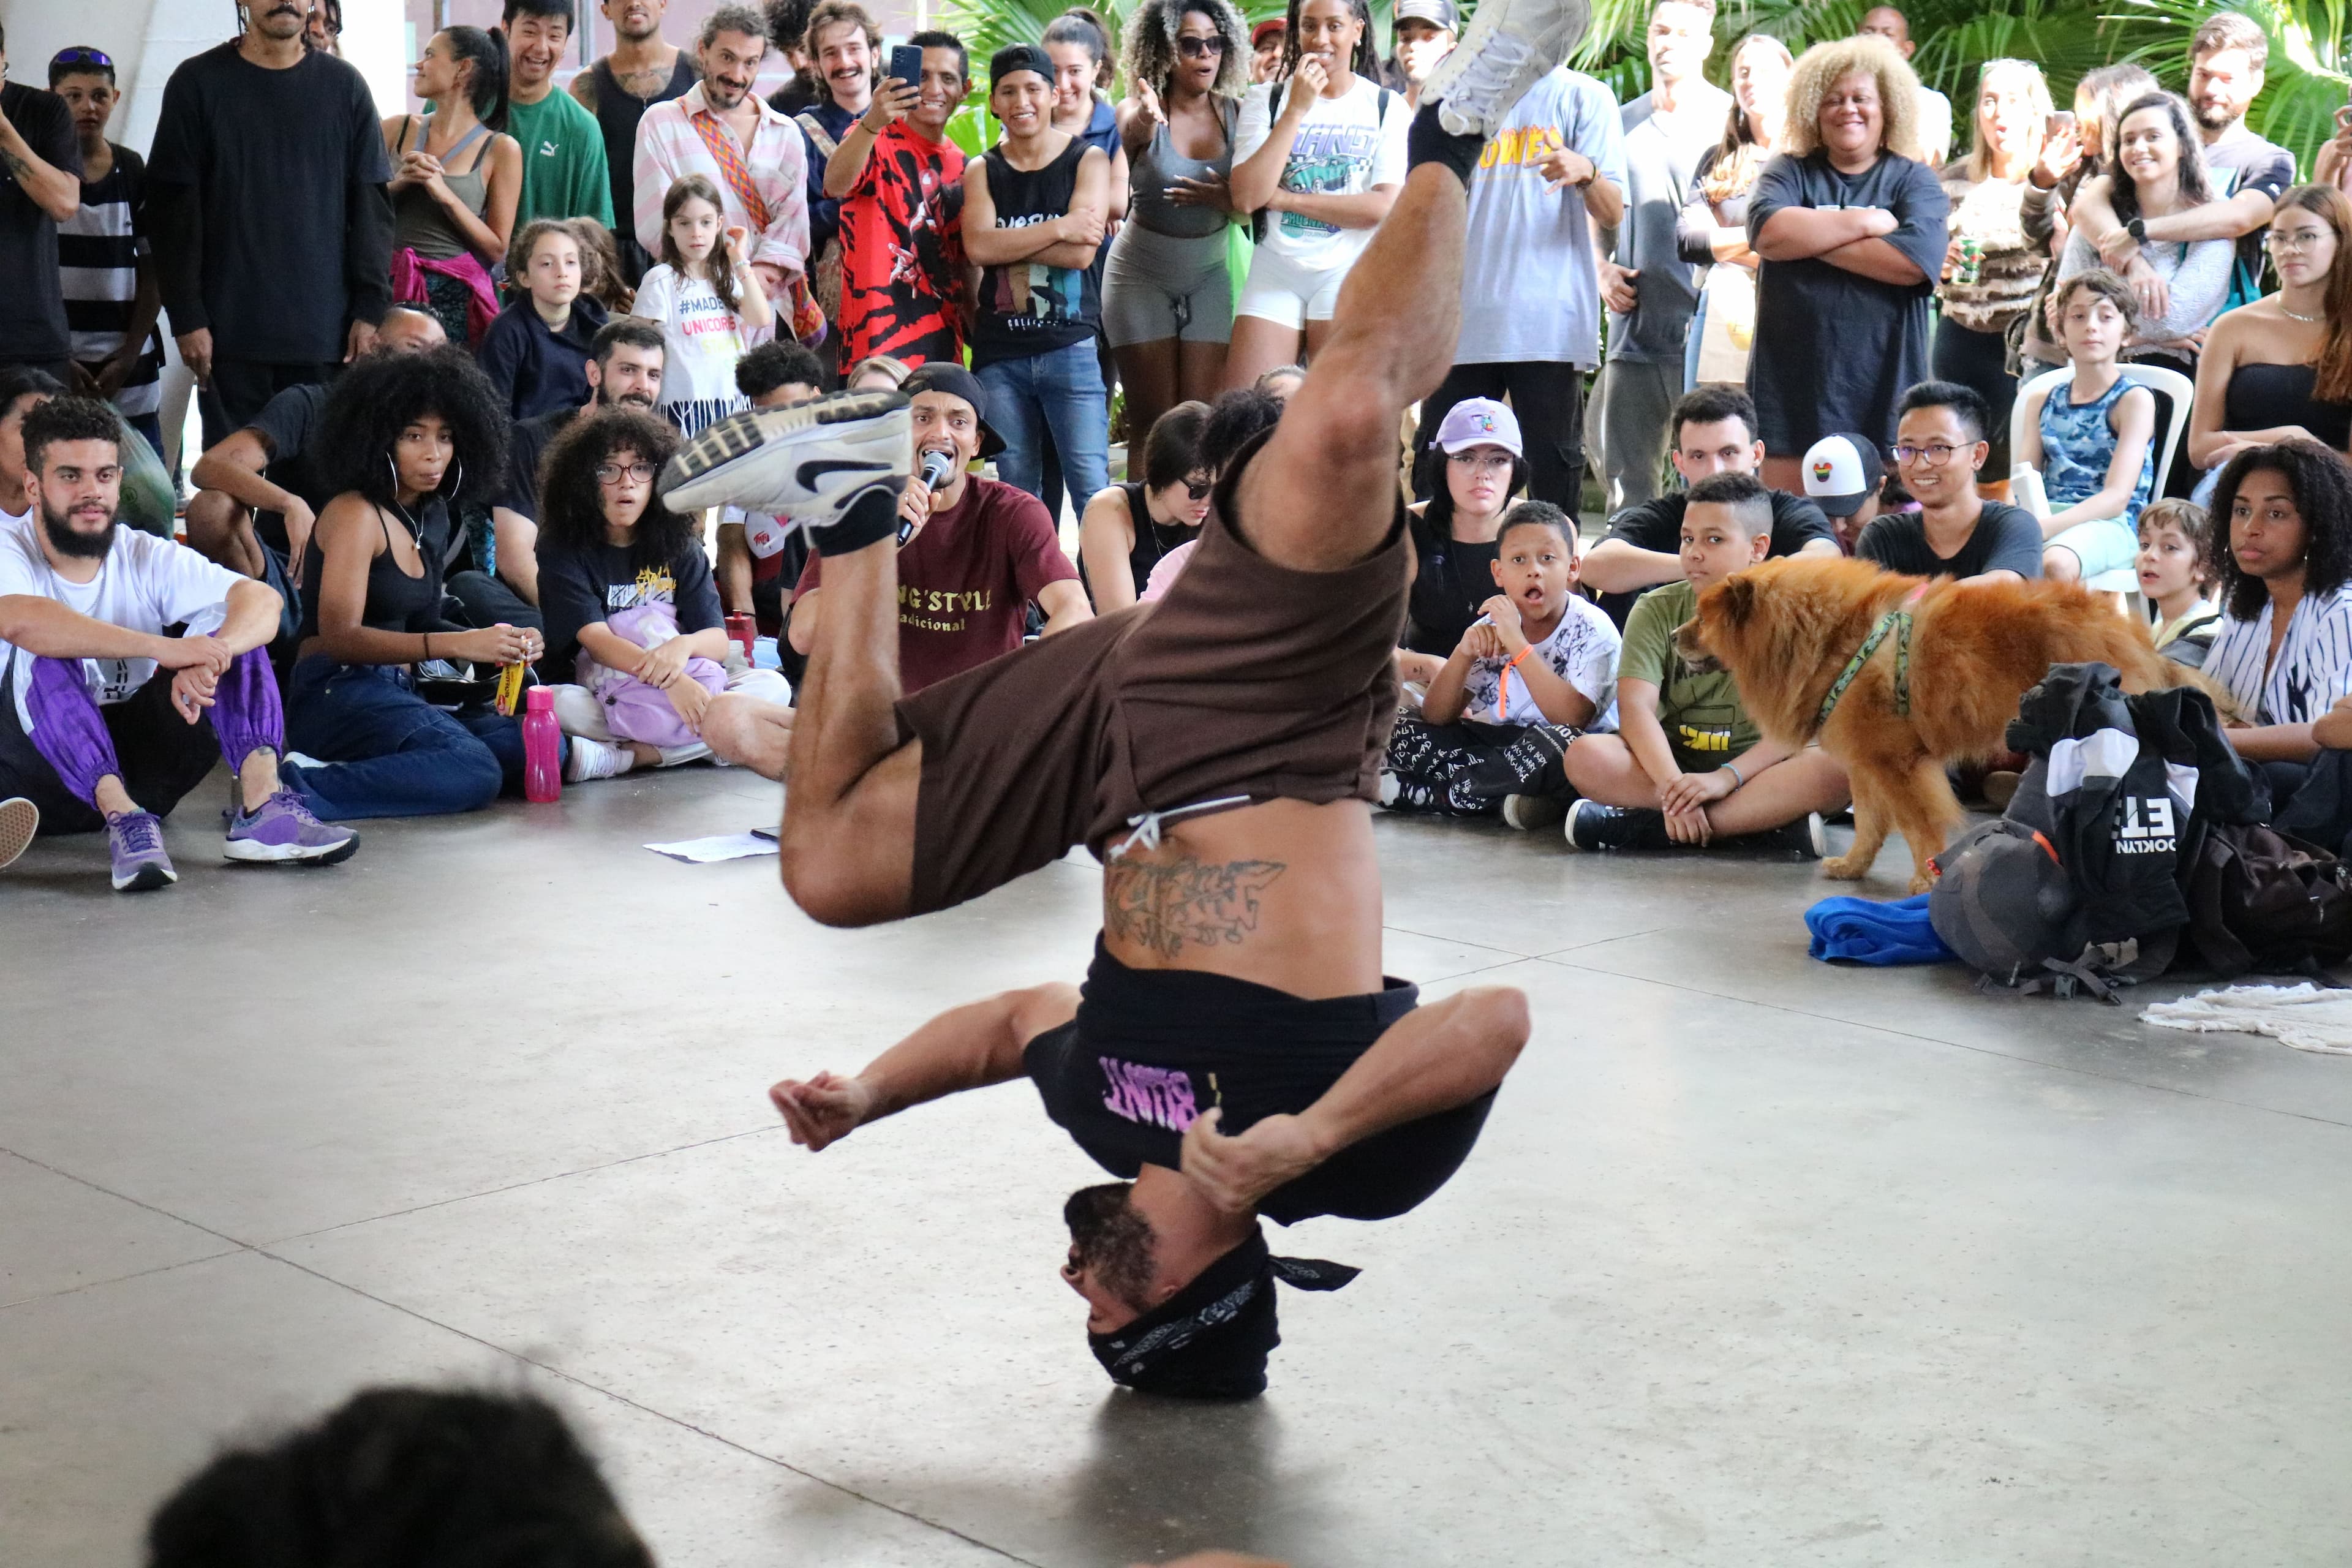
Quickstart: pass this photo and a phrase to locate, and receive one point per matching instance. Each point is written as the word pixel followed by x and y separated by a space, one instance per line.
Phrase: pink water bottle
pixel 542 747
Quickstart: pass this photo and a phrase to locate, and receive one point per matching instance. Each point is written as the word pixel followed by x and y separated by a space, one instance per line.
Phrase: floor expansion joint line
pixel 1957 1045
pixel 120 1279
pixel 519 1187
pixel 579 1382
pixel 237 1242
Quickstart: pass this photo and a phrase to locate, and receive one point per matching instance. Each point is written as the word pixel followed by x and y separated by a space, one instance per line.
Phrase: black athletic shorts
pixel 1152 1048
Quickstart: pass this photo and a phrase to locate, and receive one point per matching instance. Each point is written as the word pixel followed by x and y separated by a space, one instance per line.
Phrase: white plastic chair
pixel 2174 393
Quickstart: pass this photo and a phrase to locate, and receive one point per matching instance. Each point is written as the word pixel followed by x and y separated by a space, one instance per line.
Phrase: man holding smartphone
pixel 900 183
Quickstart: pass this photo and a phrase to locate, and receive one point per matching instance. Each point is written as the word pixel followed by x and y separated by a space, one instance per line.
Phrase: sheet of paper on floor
pixel 724 847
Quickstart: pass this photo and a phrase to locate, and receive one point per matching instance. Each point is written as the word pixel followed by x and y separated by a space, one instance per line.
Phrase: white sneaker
pixel 676 757
pixel 19 820
pixel 804 464
pixel 596 760
pixel 1510 46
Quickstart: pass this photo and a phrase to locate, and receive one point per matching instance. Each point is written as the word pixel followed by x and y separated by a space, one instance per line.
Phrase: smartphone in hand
pixel 907 64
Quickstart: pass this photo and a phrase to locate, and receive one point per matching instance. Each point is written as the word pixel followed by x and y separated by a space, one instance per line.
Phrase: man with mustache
pixel 839 48
pixel 271 226
pixel 727 133
pixel 563 171
pixel 643 69
pixel 88 737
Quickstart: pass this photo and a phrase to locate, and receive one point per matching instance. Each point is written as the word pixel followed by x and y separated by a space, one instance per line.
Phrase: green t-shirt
pixel 564 172
pixel 1701 714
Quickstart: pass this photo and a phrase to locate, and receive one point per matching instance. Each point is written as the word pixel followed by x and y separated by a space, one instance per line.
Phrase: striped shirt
pixel 2313 665
pixel 669 146
pixel 98 268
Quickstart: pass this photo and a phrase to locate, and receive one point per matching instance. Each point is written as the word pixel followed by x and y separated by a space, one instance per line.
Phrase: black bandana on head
pixel 1210 1339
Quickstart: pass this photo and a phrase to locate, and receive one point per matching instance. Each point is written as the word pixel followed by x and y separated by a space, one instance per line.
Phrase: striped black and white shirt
pixel 2314 667
pixel 98 265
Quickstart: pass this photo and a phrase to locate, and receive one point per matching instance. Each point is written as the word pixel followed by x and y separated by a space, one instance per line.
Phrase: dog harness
pixel 1897 621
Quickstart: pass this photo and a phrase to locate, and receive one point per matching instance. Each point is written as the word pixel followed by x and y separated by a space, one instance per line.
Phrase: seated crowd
pixel 2049 356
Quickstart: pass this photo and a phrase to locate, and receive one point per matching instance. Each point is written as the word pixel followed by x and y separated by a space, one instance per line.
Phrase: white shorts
pixel 1288 294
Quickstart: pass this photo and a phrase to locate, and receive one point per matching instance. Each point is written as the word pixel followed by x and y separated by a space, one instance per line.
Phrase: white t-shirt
pixel 1581 650
pixel 145 584
pixel 1344 146
pixel 16 522
pixel 1934 126
pixel 702 340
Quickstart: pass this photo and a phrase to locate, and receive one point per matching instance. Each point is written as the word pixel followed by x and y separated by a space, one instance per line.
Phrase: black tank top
pixel 1026 307
pixel 1456 576
pixel 396 601
pixel 2264 396
pixel 1153 540
pixel 617 112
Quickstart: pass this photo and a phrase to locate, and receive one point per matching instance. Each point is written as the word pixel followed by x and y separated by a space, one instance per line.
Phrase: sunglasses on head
pixel 1199 49
pixel 78 56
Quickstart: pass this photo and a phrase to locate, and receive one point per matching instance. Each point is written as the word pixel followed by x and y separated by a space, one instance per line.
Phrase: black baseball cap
pixel 1014 57
pixel 946 375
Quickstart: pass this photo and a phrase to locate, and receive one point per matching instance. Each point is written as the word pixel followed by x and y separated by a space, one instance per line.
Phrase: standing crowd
pixel 441 358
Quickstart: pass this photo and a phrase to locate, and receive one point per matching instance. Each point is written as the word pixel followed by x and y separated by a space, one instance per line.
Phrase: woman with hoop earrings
pixel 407 439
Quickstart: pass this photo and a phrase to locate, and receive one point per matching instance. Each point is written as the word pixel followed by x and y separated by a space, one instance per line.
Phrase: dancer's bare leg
pixel 847 842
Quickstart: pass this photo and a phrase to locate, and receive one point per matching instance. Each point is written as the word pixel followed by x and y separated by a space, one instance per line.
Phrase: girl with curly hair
pixel 2281 551
pixel 1851 227
pixel 1168 294
pixel 632 614
pixel 407 439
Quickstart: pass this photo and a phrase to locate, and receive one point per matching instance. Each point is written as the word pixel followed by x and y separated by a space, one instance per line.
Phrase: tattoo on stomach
pixel 1164 907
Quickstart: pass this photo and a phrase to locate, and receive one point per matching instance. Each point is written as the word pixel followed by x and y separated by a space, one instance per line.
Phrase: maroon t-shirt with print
pixel 966 581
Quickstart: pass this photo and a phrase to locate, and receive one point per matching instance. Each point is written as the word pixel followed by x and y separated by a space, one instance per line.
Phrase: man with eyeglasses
pixel 1939 445
pixel 975 553
pixel 40 187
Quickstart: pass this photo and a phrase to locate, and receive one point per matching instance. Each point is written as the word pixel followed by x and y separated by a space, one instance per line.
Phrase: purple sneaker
pixel 281 829
pixel 136 841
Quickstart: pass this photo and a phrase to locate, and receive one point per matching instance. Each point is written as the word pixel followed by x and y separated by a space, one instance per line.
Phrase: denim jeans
pixel 394 754
pixel 1060 390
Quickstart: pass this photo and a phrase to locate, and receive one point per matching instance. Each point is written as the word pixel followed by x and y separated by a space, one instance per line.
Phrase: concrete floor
pixel 1759 1262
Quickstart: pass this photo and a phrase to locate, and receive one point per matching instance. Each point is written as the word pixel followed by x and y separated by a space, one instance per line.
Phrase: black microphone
pixel 939 468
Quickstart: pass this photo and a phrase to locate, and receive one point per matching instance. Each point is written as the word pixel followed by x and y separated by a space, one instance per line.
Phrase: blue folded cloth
pixel 1857 931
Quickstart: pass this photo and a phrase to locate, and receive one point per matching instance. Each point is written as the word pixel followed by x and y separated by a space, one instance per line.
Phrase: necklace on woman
pixel 2295 315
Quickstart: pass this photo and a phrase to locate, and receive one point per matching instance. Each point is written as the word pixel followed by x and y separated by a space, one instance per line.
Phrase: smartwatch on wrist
pixel 2137 229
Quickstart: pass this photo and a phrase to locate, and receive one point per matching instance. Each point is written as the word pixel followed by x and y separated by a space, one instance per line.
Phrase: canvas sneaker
pixel 282 831
pixel 135 841
pixel 1802 840
pixel 19 820
pixel 1593 826
pixel 803 465
pixel 596 760
pixel 1510 46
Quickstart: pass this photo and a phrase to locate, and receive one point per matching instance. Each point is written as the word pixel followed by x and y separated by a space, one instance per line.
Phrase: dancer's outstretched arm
pixel 971 1046
pixel 1430 1060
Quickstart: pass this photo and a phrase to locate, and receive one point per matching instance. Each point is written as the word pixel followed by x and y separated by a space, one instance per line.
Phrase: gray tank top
pixel 421 226
pixel 1161 166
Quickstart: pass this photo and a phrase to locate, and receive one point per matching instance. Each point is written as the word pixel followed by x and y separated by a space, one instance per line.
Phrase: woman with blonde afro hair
pixel 1850 229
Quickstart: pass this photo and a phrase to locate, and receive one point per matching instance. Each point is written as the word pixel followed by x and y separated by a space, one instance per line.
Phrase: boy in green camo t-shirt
pixel 1688 764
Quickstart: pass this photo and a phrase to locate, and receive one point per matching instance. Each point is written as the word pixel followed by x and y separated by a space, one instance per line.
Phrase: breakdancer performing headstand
pixel 1235 1050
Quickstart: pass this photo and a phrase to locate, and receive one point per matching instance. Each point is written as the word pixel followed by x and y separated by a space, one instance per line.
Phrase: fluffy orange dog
pixel 1787 629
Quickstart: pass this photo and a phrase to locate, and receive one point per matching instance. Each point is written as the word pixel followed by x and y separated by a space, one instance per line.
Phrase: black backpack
pixel 2265 901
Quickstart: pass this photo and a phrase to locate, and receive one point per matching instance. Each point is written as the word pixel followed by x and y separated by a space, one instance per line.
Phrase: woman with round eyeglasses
pixel 634 624
pixel 1167 292
pixel 2281 368
pixel 1480 468
pixel 1130 528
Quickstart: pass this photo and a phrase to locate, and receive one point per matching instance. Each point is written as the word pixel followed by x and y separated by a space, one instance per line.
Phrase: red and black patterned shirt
pixel 902 261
